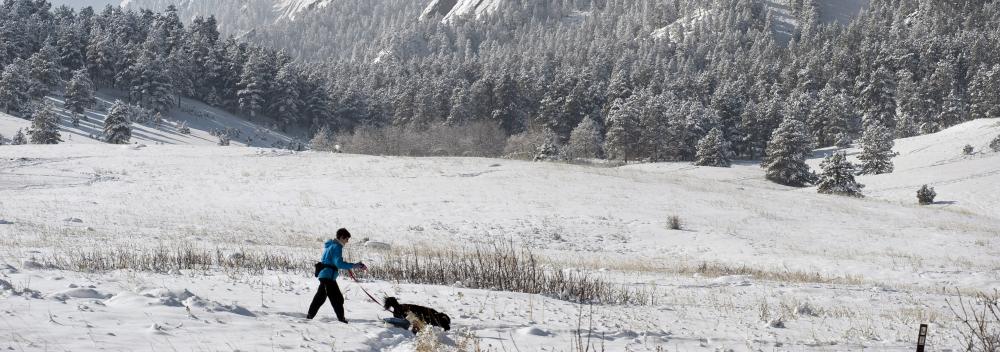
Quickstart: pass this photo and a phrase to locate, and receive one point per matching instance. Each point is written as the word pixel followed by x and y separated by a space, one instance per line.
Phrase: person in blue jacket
pixel 333 260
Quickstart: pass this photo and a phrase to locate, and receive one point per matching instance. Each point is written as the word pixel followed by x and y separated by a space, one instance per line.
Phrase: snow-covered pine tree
pixel 44 125
pixel 286 101
pixel 150 86
pixel 713 150
pixel 983 91
pixel 252 86
pixel 878 98
pixel 44 68
pixel 103 52
pixel 19 138
pixel 953 109
pixel 322 141
pixel 117 127
pixel 622 135
pixel 585 140
pixel 15 83
pixel 785 162
pixel 79 93
pixel 876 150
pixel 70 48
pixel 838 177
pixel 549 149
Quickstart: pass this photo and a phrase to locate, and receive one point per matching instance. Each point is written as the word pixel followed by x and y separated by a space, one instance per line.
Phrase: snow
pixel 199 117
pixel 290 8
pixel 808 272
pixel 451 9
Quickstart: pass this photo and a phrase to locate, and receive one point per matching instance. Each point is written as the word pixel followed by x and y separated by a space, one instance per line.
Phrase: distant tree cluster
pixel 560 79
pixel 550 67
pixel 152 57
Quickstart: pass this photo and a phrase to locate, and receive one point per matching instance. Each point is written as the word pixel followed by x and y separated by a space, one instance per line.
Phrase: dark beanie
pixel 343 233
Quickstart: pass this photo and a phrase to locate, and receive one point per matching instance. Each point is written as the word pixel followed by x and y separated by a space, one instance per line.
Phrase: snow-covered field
pixel 756 266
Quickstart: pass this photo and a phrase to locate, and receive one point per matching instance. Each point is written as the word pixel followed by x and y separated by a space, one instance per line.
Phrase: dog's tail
pixel 390 302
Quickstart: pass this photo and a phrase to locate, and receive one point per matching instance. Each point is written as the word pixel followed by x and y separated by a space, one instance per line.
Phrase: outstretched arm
pixel 338 260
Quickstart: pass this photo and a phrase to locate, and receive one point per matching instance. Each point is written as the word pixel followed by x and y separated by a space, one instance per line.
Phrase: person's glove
pixel 362 266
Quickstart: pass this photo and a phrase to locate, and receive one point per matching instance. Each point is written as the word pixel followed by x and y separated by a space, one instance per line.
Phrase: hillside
pixel 755 264
pixel 841 12
pixel 451 9
pixel 201 119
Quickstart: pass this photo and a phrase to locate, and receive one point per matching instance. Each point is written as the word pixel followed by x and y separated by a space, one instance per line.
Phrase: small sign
pixel 922 339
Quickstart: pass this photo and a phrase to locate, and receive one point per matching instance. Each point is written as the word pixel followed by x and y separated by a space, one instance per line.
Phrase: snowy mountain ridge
pixel 452 9
pixel 290 8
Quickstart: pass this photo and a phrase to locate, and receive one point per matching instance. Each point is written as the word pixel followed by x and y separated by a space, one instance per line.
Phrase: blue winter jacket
pixel 333 255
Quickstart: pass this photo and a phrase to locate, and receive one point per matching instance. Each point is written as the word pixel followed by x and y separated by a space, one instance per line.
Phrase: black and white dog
pixel 418 316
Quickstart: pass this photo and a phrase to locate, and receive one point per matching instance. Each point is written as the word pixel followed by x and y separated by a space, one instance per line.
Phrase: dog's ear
pixel 390 302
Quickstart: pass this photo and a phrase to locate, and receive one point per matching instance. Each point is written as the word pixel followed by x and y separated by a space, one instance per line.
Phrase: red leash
pixel 351 274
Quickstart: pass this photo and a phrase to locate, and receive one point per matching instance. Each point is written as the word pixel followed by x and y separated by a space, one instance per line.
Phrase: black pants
pixel 328 289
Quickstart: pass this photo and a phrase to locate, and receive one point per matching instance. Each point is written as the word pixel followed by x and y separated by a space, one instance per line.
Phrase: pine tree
pixel 876 150
pixel 286 101
pixel 151 86
pixel 252 85
pixel 549 149
pixel 70 49
pixel 117 127
pixel 45 71
pixel 785 161
pixel 19 138
pixel 838 177
pixel 622 136
pixel 713 150
pixel 584 141
pixel 79 92
pixel 878 98
pixel 983 91
pixel 15 83
pixel 44 126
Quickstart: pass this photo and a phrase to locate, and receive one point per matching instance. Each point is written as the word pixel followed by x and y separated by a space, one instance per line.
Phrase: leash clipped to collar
pixel 351 274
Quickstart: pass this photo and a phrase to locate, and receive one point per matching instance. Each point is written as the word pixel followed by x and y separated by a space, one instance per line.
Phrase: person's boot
pixel 342 320
pixel 310 316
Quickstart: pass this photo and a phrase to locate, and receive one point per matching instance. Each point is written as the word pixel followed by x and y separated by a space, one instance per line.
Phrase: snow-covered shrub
pixel 322 140
pixel 674 222
pixel 585 141
pixel 475 139
pixel 184 129
pixel 523 145
pixel 968 149
pixel 223 140
pixel 925 195
pixel 995 144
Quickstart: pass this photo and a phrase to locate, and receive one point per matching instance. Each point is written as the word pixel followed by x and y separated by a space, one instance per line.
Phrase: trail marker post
pixel 922 338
